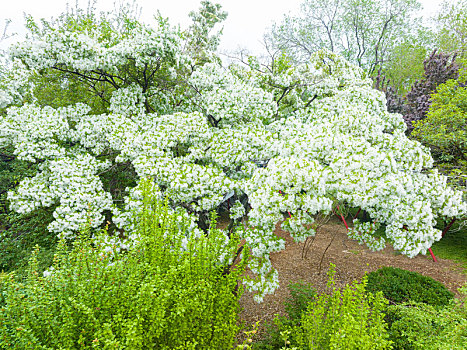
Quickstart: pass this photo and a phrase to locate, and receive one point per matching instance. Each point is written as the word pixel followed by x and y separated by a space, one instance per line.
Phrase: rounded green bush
pixel 399 286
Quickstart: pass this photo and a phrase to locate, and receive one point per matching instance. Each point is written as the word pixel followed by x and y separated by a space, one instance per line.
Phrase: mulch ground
pixel 352 261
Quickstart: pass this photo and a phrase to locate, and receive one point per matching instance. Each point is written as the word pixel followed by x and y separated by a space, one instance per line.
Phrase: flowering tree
pixel 302 140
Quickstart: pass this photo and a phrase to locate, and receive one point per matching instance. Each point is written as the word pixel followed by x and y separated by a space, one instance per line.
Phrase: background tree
pixel 452 27
pixel 405 60
pixel 394 102
pixel 363 31
pixel 202 38
pixel 444 129
pixel 439 68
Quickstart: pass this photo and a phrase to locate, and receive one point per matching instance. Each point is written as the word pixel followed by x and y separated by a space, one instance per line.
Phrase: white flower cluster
pixel 70 183
pixel 363 233
pixel 128 101
pixel 99 49
pixel 267 281
pixel 229 99
pixel 39 133
pixel 48 272
pixel 237 210
pixel 330 141
pixel 292 184
pixel 14 82
pixel 299 226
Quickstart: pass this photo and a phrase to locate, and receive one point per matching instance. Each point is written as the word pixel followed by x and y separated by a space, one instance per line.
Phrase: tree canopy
pixel 306 139
pixel 444 128
pixel 363 31
pixel 452 27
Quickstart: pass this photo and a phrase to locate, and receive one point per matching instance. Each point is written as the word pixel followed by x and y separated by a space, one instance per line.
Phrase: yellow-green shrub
pixel 347 318
pixel 156 295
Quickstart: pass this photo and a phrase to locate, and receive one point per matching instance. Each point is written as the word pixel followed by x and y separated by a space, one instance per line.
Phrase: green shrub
pixel 21 235
pixel 295 305
pixel 349 318
pixel 301 294
pixel 453 245
pixel 399 286
pixel 419 326
pixel 156 295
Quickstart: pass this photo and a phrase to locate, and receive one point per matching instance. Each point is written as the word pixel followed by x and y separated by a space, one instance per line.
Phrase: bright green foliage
pixel 400 286
pixel 422 327
pixel 405 64
pixel 156 295
pixel 445 130
pixel 348 318
pixel 301 294
pixel 273 339
pixel 445 127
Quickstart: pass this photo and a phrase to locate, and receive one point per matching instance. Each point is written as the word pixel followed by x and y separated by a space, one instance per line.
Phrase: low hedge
pixel 399 286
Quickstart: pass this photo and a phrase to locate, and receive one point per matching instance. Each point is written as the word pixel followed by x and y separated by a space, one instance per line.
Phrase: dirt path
pixel 351 260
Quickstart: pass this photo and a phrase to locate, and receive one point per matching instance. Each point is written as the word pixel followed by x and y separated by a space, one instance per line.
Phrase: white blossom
pixel 333 142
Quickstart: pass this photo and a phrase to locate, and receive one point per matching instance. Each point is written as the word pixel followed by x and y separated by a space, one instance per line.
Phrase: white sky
pixel 245 25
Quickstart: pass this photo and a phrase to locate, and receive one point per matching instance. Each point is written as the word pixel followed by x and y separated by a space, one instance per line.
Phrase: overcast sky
pixel 246 23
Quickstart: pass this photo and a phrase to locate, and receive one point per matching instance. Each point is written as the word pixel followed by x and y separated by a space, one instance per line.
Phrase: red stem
pixel 290 216
pixel 432 255
pixel 358 212
pixel 446 229
pixel 340 216
pixel 345 222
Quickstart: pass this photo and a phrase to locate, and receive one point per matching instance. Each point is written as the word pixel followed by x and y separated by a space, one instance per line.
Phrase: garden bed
pixel 351 260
